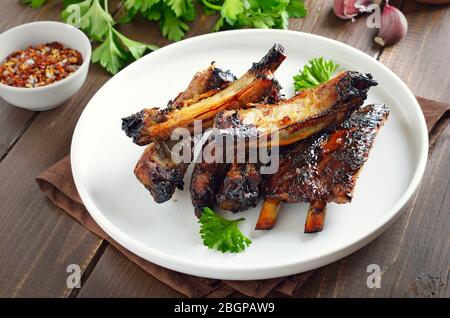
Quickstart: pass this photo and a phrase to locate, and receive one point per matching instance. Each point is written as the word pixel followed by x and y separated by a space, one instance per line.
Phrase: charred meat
pixel 206 180
pixel 155 169
pixel 152 124
pixel 221 183
pixel 158 172
pixel 309 112
pixel 324 168
pixel 324 132
pixel 240 187
pixel 207 81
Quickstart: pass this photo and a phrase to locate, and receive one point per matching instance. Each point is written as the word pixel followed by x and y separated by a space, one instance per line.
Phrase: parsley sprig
pixel 173 17
pixel 255 14
pixel 317 71
pixel 115 49
pixel 221 234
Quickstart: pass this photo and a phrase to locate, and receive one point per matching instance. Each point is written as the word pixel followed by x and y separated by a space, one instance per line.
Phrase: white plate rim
pixel 217 272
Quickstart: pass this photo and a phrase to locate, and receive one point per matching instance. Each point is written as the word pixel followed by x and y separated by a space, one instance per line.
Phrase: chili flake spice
pixel 40 65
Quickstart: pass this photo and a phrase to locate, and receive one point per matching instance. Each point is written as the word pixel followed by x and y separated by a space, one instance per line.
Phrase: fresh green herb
pixel 296 9
pixel 318 71
pixel 135 48
pixel 256 14
pixel 173 17
pixel 172 27
pixel 109 54
pixel 94 20
pixel 222 234
pixel 115 49
pixel 33 3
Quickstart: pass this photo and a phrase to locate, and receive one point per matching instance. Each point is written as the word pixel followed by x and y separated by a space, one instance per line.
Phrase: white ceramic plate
pixel 103 159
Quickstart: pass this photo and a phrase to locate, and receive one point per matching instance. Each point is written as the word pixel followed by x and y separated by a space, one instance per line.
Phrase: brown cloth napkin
pixel 57 184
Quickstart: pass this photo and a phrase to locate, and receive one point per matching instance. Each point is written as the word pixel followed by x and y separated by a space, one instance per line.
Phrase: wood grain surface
pixel 14 121
pixel 37 241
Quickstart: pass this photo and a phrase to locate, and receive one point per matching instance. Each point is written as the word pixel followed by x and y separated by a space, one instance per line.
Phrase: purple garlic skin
pixel 394 26
pixel 349 9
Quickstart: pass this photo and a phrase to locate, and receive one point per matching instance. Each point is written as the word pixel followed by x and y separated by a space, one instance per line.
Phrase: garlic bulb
pixel 349 9
pixel 393 26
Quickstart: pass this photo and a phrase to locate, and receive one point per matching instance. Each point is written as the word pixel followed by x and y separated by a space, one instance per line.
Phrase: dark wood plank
pixel 13 120
pixel 116 276
pixel 37 240
pixel 322 21
pixel 14 13
pixel 125 274
pixel 421 58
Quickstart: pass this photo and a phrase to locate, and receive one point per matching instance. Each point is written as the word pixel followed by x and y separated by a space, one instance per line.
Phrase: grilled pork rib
pixel 221 183
pixel 208 81
pixel 310 111
pixel 155 169
pixel 210 182
pixel 205 182
pixel 158 172
pixel 151 124
pixel 240 188
pixel 325 167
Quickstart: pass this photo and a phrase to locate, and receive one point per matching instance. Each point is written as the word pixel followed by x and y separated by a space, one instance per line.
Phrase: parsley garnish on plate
pixel 316 72
pixel 221 234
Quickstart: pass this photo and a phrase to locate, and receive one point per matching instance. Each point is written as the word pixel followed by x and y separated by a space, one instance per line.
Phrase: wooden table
pixel 38 241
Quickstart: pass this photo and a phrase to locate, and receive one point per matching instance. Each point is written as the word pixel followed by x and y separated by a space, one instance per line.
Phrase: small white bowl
pixel 53 95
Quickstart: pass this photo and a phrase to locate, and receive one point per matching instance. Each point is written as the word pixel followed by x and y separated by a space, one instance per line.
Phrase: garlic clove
pixel 345 9
pixel 349 9
pixel 393 26
pixel 365 5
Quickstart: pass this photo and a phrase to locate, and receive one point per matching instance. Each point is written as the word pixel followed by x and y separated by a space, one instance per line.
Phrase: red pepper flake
pixel 40 65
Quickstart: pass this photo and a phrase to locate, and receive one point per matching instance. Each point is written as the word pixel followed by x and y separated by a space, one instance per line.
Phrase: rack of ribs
pixel 235 187
pixel 325 134
pixel 156 170
pixel 152 123
pixel 323 168
pixel 310 111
